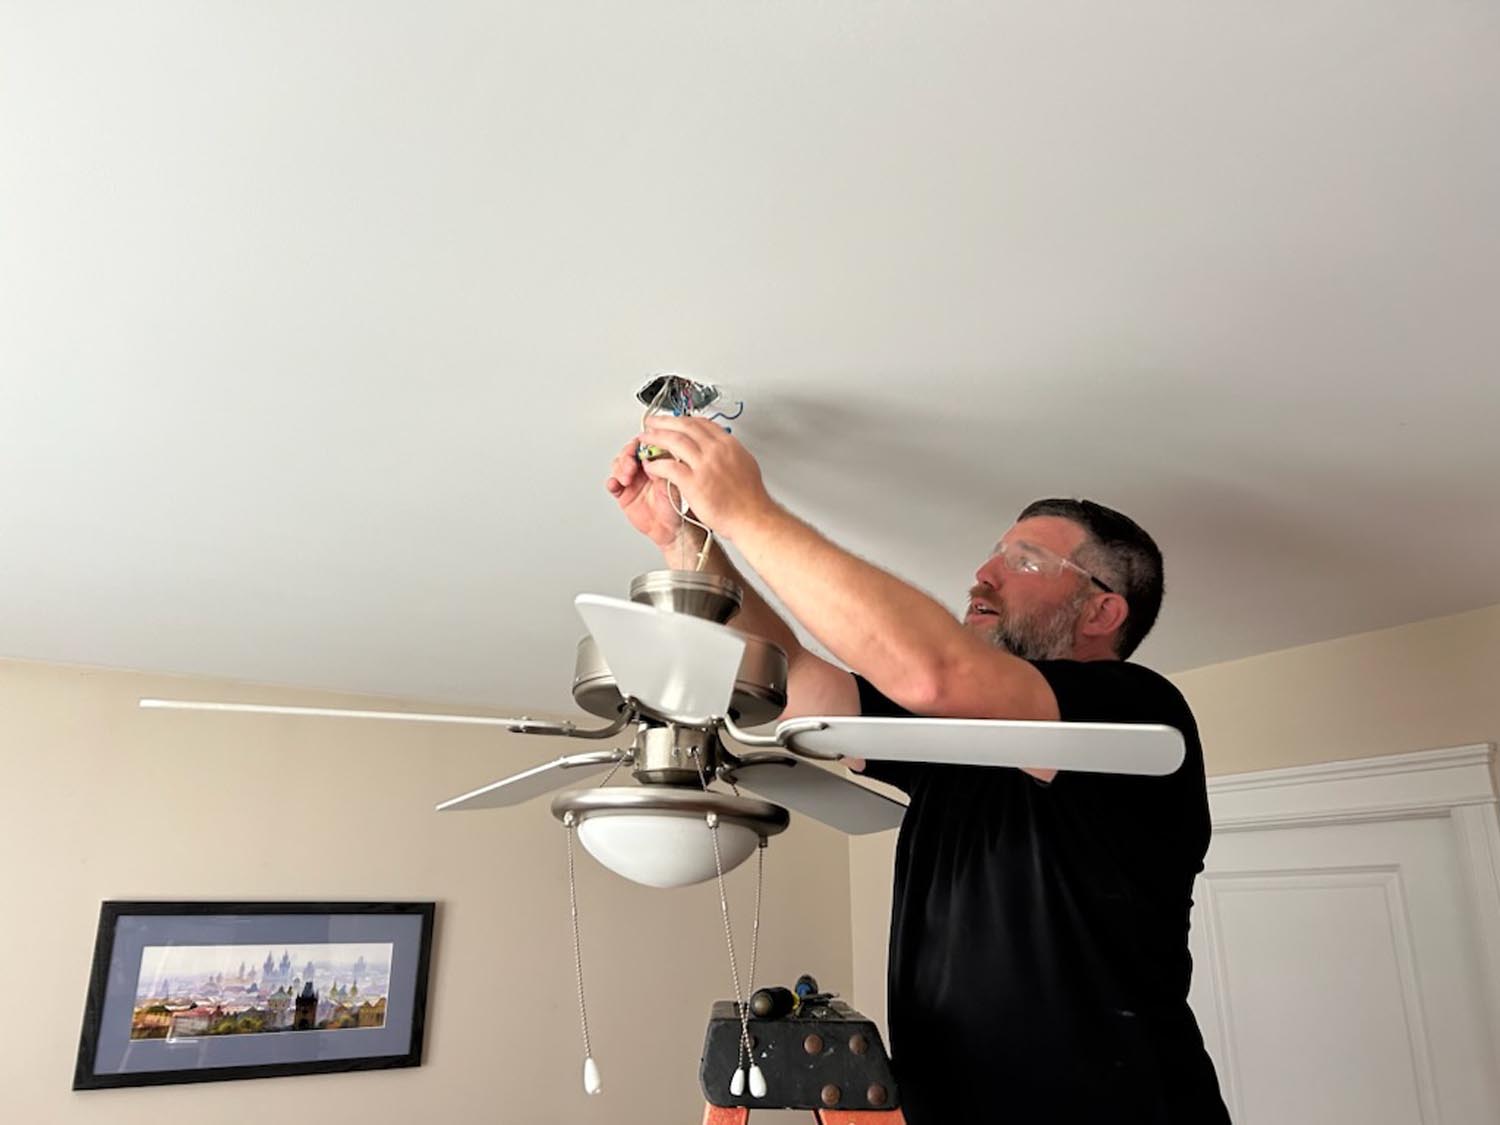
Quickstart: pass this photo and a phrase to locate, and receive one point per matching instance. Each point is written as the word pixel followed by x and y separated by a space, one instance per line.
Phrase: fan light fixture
pixel 662 837
pixel 665 670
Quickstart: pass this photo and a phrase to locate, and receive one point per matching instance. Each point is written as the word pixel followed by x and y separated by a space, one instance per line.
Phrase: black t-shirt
pixel 1039 964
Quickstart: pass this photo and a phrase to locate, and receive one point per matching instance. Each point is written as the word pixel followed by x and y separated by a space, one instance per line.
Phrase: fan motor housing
pixel 760 685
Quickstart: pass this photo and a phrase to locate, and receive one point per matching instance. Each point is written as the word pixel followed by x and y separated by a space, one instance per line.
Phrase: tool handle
pixel 772 1003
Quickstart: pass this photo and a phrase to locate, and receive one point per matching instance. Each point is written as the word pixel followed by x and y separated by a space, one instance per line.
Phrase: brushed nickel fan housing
pixel 760 685
pixel 710 596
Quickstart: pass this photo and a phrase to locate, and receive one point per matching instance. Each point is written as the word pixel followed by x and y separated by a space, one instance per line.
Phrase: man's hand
pixel 716 475
pixel 644 501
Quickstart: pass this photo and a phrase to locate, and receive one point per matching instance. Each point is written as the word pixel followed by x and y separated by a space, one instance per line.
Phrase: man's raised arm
pixel 814 686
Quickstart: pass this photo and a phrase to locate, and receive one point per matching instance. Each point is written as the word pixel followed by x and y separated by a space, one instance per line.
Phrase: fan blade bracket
pixel 796 728
pixel 527 725
pixel 760 759
pixel 782 738
pixel 728 769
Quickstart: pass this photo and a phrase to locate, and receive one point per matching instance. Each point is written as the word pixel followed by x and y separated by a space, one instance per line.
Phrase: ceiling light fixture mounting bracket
pixel 677 392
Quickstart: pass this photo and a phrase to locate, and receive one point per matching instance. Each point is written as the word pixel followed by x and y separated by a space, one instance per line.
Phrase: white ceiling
pixel 319 322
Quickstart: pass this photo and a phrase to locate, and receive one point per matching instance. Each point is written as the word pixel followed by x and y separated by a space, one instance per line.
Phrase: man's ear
pixel 1107 616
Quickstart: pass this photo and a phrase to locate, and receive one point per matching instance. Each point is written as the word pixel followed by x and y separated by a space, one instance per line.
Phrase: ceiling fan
pixel 667 673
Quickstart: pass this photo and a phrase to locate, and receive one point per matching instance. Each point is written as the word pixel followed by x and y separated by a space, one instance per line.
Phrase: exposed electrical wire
pixel 740 409
pixel 683 397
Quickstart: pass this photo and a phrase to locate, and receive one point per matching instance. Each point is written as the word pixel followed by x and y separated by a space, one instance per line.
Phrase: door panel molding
pixel 1457 785
pixel 1383 878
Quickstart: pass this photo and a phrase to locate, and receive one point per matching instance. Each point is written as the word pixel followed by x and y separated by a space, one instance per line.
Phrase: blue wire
pixel 728 417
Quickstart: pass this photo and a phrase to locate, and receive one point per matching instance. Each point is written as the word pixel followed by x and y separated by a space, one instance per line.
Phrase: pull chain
pixel 742 1007
pixel 614 769
pixel 591 1084
pixel 760 878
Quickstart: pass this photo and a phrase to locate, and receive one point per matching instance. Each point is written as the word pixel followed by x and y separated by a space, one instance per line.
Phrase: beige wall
pixel 101 800
pixel 1431 684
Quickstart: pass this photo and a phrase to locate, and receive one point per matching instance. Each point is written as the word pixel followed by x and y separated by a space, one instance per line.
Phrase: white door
pixel 1345 961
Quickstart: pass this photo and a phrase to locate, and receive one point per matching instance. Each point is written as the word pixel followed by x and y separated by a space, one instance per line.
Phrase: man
pixel 1039 965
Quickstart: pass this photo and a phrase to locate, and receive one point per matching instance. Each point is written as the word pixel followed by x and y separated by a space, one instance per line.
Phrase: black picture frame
pixel 122 1044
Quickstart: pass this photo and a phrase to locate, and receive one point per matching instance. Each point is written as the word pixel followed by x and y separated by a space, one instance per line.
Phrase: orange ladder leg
pixel 740 1115
pixel 726 1115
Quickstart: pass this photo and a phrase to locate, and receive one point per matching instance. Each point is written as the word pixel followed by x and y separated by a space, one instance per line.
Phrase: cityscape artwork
pixel 205 990
pixel 211 990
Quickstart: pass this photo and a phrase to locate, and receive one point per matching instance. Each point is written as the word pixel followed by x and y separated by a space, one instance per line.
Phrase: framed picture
pixel 207 991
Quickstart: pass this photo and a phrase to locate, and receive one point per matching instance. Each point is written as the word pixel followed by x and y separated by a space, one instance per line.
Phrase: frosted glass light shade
pixel 658 835
pixel 664 849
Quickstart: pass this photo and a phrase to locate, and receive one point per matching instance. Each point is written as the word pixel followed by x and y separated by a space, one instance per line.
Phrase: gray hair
pixel 1120 552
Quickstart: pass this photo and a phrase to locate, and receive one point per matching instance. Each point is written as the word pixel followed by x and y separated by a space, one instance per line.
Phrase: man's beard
pixel 1039 636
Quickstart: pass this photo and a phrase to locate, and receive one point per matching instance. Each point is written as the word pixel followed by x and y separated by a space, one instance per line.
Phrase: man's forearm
pixel 875 623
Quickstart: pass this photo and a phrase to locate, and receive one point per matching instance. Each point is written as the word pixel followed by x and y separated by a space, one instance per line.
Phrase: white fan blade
pixel 1135 748
pixel 523 786
pixel 679 666
pixel 821 794
pixel 327 712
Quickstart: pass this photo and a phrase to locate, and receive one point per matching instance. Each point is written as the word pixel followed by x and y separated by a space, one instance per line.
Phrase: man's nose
pixel 989 573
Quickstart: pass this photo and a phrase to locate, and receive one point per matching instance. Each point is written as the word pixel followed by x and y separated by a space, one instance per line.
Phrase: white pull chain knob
pixel 591 1084
pixel 757 1082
